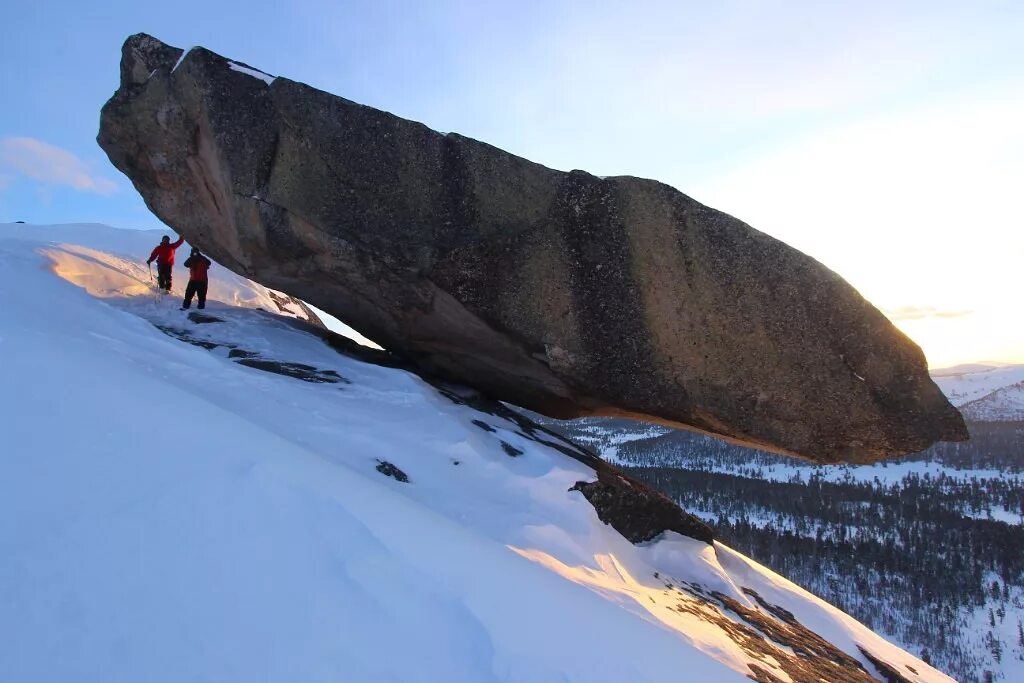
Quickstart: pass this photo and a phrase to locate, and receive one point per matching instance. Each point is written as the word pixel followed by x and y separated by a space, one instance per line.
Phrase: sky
pixel 882 138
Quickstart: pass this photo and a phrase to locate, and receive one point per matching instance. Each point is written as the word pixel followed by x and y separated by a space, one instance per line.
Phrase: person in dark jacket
pixel 163 254
pixel 197 265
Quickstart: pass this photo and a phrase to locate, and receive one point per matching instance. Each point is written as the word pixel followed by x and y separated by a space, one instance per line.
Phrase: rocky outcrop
pixel 561 292
pixel 636 511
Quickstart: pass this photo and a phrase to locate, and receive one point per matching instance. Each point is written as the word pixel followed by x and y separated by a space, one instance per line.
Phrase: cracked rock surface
pixel 561 292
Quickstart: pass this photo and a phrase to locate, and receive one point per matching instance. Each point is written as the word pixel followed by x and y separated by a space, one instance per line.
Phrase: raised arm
pixel 175 245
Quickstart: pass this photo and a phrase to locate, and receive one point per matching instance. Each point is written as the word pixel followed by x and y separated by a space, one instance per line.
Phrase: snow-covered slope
pixel 965 383
pixel 1005 404
pixel 168 513
pixel 987 392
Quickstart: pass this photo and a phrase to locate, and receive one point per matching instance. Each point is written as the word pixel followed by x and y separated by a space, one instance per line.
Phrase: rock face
pixel 561 292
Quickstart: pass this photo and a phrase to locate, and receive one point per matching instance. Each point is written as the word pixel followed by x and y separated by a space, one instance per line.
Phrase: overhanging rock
pixel 561 292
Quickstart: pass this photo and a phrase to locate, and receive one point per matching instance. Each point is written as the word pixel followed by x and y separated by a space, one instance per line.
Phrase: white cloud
pixel 51 165
pixel 920 312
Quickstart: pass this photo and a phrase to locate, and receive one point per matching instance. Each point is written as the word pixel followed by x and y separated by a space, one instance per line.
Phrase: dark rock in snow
pixel 889 672
pixel 638 512
pixel 510 450
pixel 307 373
pixel 774 637
pixel 484 426
pixel 561 292
pixel 186 337
pixel 389 470
pixel 203 318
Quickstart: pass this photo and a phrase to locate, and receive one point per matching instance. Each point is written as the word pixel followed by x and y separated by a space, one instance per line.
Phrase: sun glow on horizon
pixel 917 210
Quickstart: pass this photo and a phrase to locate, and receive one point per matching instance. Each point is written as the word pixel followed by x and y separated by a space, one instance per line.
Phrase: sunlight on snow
pixel 613 581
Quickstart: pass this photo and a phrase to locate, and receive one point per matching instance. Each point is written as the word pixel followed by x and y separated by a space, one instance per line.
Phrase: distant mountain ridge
pixel 984 392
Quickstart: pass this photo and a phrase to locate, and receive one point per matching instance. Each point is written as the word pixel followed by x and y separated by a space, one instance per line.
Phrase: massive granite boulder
pixel 562 292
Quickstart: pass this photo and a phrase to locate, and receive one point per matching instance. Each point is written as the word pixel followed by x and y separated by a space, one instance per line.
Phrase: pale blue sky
pixel 881 137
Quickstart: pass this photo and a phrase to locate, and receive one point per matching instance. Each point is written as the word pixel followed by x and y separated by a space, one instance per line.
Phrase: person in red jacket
pixel 163 254
pixel 197 265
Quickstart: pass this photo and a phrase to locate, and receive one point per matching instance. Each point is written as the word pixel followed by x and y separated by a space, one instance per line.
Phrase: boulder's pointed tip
pixel 141 54
pixel 140 36
pixel 143 38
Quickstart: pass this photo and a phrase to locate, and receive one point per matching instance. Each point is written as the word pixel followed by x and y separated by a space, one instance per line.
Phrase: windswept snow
pixel 169 514
pixel 181 59
pixel 234 66
pixel 255 73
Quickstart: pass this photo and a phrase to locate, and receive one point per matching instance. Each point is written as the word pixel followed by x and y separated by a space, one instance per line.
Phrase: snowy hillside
pixel 228 498
pixel 985 392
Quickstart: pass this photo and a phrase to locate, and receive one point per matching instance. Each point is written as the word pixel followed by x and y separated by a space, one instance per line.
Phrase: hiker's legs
pixel 163 276
pixel 190 291
pixel 201 288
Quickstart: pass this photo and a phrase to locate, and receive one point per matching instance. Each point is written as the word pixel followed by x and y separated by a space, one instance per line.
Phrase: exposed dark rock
pixel 561 292
pixel 484 426
pixel 389 470
pixel 773 636
pixel 510 450
pixel 307 373
pixel 637 512
pixel 890 673
pixel 186 337
pixel 203 318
